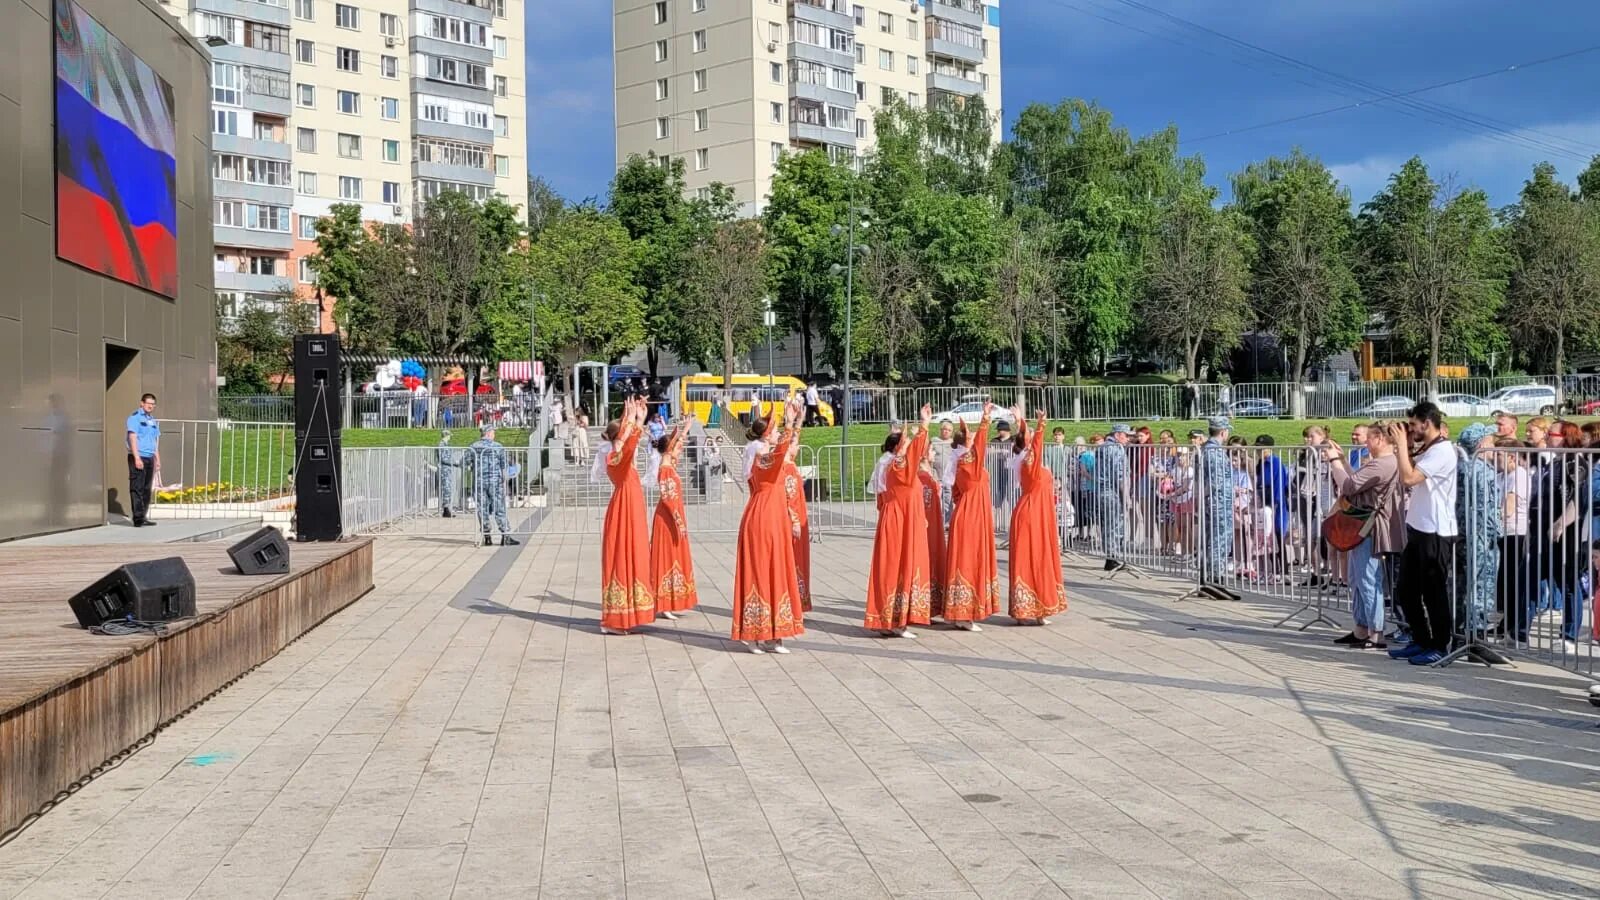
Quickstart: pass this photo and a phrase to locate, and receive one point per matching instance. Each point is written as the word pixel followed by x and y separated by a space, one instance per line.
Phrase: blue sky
pixel 1150 72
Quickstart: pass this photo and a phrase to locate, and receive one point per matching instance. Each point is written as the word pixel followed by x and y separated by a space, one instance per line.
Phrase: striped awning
pixel 517 370
pixel 374 359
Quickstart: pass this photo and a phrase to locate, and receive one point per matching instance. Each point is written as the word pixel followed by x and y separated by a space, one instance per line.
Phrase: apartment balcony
pixel 450 132
pixel 266 91
pixel 808 124
pixel 953 84
pixel 251 239
pixel 937 46
pixel 830 13
pixel 824 55
pixel 274 194
pixel 251 56
pixel 480 11
pixel 276 13
pixel 821 93
pixel 468 92
pixel 445 172
pixel 483 56
pixel 965 12
pixel 247 281
pixel 247 146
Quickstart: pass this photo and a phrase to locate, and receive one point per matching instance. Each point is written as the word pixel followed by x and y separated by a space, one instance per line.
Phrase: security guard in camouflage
pixel 487 458
pixel 1113 493
pixel 1217 525
pixel 449 462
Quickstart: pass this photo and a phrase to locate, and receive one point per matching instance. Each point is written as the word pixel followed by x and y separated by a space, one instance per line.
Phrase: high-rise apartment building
pixel 728 86
pixel 382 103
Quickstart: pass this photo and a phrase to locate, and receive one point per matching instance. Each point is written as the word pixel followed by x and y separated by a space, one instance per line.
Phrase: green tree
pixel 1302 285
pixel 544 204
pixel 1555 285
pixel 584 269
pixel 960 251
pixel 367 324
pixel 1432 266
pixel 1197 277
pixel 727 283
pixel 809 196
pixel 1025 288
pixel 453 258
pixel 255 348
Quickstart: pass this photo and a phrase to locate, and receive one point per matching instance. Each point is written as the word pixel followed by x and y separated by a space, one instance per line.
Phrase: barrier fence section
pixel 445 491
pixel 214 469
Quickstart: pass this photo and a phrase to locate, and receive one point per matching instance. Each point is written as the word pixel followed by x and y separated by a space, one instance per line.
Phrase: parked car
pixel 1386 407
pixel 1464 406
pixel 1254 408
pixel 1524 400
pixel 971 412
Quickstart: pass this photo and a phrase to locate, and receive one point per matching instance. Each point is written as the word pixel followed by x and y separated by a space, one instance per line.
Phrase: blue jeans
pixel 1366 586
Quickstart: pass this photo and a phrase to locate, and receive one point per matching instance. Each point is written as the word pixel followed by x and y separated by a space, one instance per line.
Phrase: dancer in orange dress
pixel 1037 589
pixel 671 566
pixel 899 593
pixel 933 511
pixel 972 574
pixel 626 598
pixel 766 587
pixel 794 490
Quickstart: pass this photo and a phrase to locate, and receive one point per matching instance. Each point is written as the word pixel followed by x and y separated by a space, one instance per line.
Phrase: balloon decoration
pixel 411 369
pixel 411 382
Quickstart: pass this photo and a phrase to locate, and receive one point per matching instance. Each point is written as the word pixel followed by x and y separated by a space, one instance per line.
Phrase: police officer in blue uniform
pixel 144 455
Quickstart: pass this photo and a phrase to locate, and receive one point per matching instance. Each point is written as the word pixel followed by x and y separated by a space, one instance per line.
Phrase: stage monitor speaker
pixel 155 590
pixel 262 553
pixel 319 508
pixel 318 395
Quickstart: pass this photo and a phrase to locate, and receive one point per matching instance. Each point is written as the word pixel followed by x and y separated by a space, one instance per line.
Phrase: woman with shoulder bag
pixel 1372 496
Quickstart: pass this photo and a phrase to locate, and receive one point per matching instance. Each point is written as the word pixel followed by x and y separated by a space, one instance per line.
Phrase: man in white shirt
pixel 813 413
pixel 1428 469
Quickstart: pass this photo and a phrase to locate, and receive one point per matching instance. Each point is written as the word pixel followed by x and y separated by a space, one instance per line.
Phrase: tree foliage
pixel 584 270
pixel 1555 285
pixel 255 348
pixel 1197 277
pixel 727 286
pixel 810 197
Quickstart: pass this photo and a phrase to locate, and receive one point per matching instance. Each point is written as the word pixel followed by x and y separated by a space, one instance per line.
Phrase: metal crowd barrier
pixel 217 469
pixel 439 491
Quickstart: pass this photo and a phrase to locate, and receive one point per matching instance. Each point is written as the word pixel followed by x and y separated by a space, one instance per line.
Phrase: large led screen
pixel 116 166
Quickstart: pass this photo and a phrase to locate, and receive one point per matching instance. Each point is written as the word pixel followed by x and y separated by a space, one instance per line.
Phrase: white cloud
pixel 1498 163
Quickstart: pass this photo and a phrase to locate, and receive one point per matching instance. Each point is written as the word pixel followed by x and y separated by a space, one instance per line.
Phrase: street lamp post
pixel 769 318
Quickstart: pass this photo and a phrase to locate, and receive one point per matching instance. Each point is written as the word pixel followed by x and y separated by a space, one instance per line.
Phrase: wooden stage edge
pixel 70 700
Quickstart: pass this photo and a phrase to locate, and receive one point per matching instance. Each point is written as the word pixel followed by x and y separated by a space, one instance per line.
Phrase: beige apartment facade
pixel 729 86
pixel 381 103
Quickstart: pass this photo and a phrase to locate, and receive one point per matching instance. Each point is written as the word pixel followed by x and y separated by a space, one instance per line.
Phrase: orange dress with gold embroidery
pixel 933 511
pixel 972 573
pixel 626 597
pixel 794 492
pixel 1037 588
pixel 766 587
pixel 898 585
pixel 671 567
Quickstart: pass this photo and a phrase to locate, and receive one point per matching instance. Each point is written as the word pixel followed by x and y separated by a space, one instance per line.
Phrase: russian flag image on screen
pixel 116 159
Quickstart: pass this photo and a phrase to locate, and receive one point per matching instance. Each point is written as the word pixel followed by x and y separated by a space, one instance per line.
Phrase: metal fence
pixel 223 469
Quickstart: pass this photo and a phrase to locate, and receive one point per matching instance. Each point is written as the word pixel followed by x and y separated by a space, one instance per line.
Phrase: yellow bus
pixel 698 395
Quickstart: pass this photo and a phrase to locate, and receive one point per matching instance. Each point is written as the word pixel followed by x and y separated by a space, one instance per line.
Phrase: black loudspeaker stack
pixel 318 411
pixel 157 590
pixel 263 553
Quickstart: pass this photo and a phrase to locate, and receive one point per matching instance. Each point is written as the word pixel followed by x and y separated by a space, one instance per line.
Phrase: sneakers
pixel 1348 639
pixel 1426 658
pixel 778 647
pixel 1406 652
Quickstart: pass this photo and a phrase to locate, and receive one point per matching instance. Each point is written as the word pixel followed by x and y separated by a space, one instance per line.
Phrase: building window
pixel 661 88
pixel 702 119
pixel 886 96
pixel 502 86
pixel 224 83
pixel 699 80
pixel 861 53
pixel 861 128
pixel 701 159
pixel 305 140
pixel 699 41
pixel 388 24
pixel 777 151
pixel 698 6
pixel 912 65
pixel 661 51
pixel 350 103
pixel 500 9
pixel 391 192
pixel 777 113
pixel 350 145
pixel 861 90
pixel 777 73
pixel 859 14
pixel 775 32
pixel 225 121
pixel 306 95
pixel 502 126
pixel 986 82
pixel 346 16
pixel 502 166
pixel 389 108
pixel 389 67
pixel 886 60
pixel 886 22
pixel 305 52
pixel 308 228
pixel 305 9
pixel 663 127
pixel 391 151
pixel 913 99
pixel 308 183
pixel 499 47
pixel 455 71
pixel 349 188
pixel 348 60
pixel 661 12
pixel 306 275
pixel 911 28
pixel 703 194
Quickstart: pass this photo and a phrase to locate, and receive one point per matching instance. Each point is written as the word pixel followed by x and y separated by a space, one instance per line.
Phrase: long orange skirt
pixel 1037 589
pixel 933 511
pixel 766 588
pixel 799 529
pixel 671 566
pixel 972 572
pixel 626 598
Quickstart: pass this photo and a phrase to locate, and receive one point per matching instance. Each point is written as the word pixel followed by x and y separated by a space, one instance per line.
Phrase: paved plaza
pixel 466 731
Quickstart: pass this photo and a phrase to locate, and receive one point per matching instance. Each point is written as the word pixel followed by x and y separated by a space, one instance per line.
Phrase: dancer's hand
pixel 927 414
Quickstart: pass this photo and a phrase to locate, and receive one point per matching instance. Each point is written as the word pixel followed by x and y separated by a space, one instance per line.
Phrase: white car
pixel 971 412
pixel 1386 407
pixel 1524 400
pixel 1464 406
